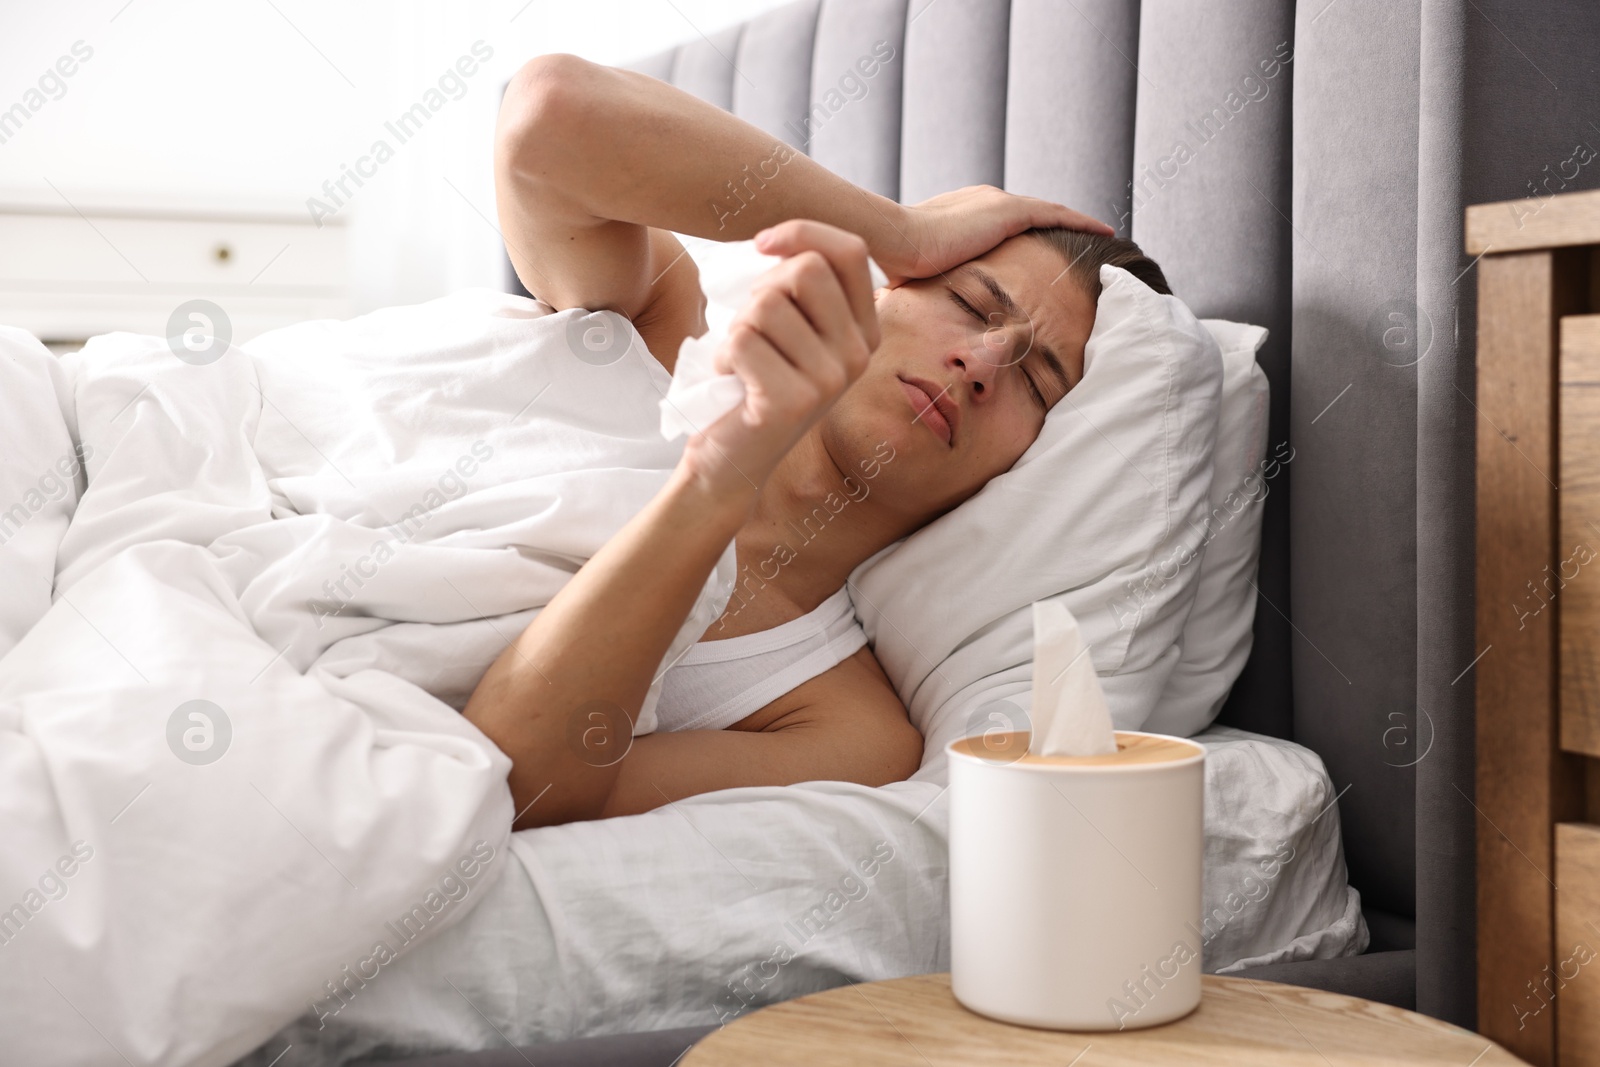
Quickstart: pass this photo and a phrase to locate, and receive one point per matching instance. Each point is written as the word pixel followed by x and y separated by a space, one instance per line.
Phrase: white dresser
pixel 102 263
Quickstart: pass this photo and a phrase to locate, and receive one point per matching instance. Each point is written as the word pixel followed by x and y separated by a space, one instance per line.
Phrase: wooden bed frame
pixel 1538 616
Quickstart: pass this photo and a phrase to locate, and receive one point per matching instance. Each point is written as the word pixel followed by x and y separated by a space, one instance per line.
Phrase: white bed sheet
pixel 698 913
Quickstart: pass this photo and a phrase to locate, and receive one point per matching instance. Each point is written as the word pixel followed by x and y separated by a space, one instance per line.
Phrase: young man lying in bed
pixel 949 372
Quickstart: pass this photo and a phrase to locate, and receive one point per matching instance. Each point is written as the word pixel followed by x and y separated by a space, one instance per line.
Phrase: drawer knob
pixel 222 253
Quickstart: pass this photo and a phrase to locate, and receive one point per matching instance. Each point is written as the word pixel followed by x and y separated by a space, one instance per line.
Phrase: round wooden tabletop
pixel 917 1022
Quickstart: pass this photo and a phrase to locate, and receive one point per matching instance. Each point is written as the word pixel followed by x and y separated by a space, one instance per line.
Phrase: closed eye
pixel 969 309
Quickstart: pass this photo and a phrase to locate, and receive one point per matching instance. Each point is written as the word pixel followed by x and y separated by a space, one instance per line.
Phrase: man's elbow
pixel 913 751
pixel 540 109
pixel 901 750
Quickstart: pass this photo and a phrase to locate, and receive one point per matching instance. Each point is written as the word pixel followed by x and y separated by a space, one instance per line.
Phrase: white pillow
pixel 1216 639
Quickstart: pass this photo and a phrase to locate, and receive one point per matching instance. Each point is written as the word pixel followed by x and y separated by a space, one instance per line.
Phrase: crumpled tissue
pixel 698 395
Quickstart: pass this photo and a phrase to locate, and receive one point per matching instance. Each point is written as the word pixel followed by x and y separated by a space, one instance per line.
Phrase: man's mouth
pixel 934 408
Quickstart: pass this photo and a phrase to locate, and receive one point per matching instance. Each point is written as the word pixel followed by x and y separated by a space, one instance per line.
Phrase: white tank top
pixel 717 683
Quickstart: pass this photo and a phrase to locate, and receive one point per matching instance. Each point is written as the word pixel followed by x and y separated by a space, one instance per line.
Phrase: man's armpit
pixel 854 694
pixel 675 305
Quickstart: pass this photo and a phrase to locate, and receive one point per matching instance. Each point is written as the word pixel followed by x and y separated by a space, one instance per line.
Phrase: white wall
pixel 265 100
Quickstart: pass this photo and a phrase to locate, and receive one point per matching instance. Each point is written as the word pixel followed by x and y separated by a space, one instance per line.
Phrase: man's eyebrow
pixel 1010 307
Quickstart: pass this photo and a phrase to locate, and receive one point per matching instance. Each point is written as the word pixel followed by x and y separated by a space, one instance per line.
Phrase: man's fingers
pixel 811 284
pixel 845 252
pixel 767 375
pixel 773 312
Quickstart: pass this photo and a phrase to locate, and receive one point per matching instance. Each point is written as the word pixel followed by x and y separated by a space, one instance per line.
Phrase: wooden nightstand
pixel 917 1022
pixel 1538 617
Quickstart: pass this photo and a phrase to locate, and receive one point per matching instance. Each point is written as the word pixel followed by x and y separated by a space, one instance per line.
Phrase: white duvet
pixel 324 542
pixel 327 537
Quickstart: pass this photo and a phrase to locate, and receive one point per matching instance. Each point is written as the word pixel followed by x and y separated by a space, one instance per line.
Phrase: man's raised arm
pixel 589 159
pixel 594 166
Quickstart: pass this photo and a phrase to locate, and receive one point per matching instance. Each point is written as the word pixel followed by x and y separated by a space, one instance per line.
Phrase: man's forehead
pixel 1033 276
pixel 1032 271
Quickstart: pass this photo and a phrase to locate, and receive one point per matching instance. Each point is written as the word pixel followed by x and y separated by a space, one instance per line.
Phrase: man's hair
pixel 1085 253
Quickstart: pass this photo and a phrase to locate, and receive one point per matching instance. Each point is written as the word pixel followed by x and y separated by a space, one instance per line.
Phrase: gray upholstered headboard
pixel 1300 168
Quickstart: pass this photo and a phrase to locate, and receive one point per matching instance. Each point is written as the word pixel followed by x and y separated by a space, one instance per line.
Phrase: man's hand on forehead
pixel 947 230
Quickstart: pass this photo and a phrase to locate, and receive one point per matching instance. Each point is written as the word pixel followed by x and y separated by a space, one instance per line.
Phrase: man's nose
pixel 984 356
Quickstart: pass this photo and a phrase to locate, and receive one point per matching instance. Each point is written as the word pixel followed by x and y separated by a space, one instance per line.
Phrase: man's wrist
pixel 710 502
pixel 888 230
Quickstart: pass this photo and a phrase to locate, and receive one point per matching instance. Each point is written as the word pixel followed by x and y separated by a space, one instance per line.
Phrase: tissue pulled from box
pixel 698 395
pixel 1069 712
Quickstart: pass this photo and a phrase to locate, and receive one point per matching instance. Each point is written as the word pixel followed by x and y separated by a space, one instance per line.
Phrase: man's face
pixel 981 340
